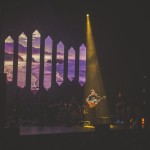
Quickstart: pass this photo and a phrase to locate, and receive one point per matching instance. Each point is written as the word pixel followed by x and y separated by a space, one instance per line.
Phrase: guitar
pixel 94 101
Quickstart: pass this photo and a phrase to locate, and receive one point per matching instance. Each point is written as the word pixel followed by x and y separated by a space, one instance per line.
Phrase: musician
pixel 93 96
pixel 91 106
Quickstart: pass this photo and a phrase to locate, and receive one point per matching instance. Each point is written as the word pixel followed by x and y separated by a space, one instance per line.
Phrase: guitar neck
pixel 101 98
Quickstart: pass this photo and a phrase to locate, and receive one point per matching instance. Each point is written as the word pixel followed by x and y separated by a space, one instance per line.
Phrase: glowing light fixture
pixel 93 72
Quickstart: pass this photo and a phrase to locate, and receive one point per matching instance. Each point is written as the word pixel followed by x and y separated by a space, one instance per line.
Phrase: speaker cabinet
pixel 102 127
pixel 104 124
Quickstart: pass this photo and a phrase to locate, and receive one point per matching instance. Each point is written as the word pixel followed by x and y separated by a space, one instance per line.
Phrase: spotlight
pixel 87 15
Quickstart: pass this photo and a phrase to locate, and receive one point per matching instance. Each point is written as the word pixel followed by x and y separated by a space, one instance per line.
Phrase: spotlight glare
pixel 93 73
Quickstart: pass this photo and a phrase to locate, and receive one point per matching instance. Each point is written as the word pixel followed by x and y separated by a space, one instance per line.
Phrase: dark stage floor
pixel 75 138
pixel 54 130
pixel 59 129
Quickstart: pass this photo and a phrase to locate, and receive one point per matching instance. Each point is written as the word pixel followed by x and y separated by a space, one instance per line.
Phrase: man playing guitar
pixel 91 102
pixel 93 99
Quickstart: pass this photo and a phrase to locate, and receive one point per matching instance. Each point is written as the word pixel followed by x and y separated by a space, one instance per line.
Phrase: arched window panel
pixel 60 63
pixel 82 65
pixel 8 58
pixel 22 57
pixel 35 68
pixel 71 64
pixel 48 63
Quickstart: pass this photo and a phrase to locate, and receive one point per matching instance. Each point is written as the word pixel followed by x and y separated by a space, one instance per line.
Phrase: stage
pixel 64 129
pixel 54 130
pixel 75 137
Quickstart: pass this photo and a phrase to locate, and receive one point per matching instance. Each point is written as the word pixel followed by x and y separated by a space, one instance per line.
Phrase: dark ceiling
pixel 121 31
pixel 114 24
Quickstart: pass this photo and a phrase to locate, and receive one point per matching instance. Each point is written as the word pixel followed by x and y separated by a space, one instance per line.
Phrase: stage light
pixel 93 73
pixel 143 122
pixel 87 15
